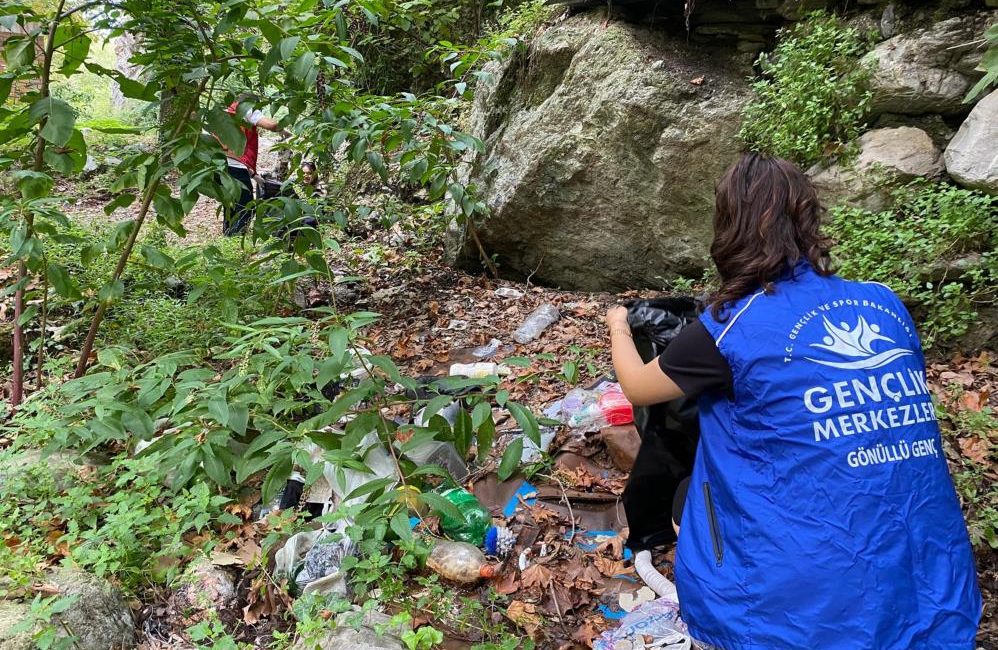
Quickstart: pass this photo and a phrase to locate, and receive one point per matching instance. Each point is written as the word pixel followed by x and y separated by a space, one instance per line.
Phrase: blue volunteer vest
pixel 821 515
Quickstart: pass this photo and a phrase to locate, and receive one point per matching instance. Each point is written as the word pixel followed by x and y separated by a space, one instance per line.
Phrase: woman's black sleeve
pixel 693 361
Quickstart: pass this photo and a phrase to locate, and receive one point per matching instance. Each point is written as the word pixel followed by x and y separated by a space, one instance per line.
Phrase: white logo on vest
pixel 856 342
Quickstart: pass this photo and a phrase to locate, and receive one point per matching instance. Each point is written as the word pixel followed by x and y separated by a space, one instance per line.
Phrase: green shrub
pixel 813 95
pixel 907 246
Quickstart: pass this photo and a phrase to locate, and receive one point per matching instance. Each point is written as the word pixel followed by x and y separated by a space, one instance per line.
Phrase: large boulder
pixel 603 144
pixel 886 158
pixel 929 70
pixel 98 618
pixel 972 154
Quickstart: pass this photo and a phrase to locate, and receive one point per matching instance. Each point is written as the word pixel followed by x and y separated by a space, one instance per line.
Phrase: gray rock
pixel 365 637
pixel 203 587
pixel 112 161
pixel 597 156
pixel 34 465
pixel 90 166
pixel 11 614
pixel 888 21
pixel 887 157
pixel 928 70
pixel 99 618
pixel 972 154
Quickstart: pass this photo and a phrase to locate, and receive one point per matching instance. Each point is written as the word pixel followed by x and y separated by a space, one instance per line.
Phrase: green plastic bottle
pixel 477 519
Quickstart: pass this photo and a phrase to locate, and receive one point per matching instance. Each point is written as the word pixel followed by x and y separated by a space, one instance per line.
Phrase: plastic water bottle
pixel 477 519
pixel 460 562
pixel 478 370
pixel 536 322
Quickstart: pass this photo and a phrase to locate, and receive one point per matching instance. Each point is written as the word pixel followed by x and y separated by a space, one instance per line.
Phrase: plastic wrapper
pixel 655 624
pixel 591 410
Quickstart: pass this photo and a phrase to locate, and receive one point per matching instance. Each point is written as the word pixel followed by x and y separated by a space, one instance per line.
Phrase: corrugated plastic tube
pixel 658 582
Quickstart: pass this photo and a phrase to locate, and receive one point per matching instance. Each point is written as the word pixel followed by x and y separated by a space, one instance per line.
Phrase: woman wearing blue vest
pixel 820 514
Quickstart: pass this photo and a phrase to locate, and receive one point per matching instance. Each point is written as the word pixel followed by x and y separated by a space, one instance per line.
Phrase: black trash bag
pixel 669 432
pixel 271 187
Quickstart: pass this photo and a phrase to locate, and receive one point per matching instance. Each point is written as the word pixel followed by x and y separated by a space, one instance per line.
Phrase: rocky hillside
pixel 605 136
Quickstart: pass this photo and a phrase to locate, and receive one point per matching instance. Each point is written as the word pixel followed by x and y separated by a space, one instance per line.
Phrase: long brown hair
pixel 766 219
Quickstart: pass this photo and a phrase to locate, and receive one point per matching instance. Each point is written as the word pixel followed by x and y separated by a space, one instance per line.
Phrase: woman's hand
pixel 616 316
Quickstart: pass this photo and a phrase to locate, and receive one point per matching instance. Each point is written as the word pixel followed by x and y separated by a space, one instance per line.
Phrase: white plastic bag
pixel 655 624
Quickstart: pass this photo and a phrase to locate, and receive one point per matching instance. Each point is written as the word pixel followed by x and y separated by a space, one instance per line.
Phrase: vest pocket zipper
pixel 715 531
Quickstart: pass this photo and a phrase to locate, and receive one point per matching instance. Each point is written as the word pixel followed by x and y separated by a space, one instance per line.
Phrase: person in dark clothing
pixel 242 168
pixel 820 512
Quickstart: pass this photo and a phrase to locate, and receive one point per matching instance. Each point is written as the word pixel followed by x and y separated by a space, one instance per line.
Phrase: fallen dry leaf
pixel 611 568
pixel 975 400
pixel 536 575
pixel 507 584
pixel 611 547
pixel 975 449
pixel 219 558
pixel 697 81
pixel 263 600
pixel 525 616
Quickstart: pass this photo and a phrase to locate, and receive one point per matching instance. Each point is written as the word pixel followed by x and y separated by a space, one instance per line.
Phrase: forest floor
pixel 569 577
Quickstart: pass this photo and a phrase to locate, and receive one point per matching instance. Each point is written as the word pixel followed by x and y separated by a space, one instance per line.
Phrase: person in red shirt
pixel 243 168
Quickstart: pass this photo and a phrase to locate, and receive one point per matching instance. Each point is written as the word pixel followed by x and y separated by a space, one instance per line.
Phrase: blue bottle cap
pixel 492 540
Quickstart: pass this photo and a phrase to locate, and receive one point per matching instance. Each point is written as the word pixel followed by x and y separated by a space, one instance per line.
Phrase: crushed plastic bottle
pixel 487 350
pixel 509 292
pixel 477 519
pixel 538 321
pixel 460 562
pixel 478 370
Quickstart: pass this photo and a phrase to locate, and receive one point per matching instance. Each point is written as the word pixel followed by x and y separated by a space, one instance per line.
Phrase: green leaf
pixel 111 291
pixel 59 116
pixel 214 467
pixel 287 46
pixel 485 434
pixel 75 46
pixel 302 66
pixel 6 83
pixel 370 487
pixel 238 418
pixel 62 282
pixel 481 413
pixel 439 504
pixel 129 87
pixel 218 408
pixel 123 200
pixel 157 258
pixel 434 405
pixel 33 184
pixel 276 478
pixel 138 423
pixel 353 53
pixel 223 126
pixel 519 362
pixel 527 422
pixel 400 525
pixel 462 432
pixel 19 52
pixel 511 458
